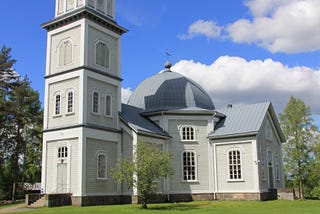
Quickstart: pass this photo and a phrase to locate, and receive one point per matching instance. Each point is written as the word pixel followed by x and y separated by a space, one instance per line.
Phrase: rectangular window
pixel 63 152
pixel 187 133
pixel 60 6
pixel 95 102
pixel 70 4
pixel 108 105
pixel 57 105
pixel 189 166
pixel 101 166
pixel 70 102
pixel 65 53
pixel 234 165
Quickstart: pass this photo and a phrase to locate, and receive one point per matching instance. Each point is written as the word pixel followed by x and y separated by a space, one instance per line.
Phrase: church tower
pixel 82 135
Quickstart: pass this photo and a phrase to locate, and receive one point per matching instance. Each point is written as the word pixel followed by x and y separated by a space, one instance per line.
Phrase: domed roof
pixel 170 91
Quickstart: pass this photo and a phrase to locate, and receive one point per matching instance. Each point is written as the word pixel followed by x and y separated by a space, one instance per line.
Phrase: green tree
pixel 296 123
pixel 20 128
pixel 149 165
pixel 313 181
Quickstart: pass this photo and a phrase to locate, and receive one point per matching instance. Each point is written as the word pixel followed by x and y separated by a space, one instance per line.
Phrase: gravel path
pixel 15 208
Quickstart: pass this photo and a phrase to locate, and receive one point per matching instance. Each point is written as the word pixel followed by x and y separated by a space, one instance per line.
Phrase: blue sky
pixel 243 51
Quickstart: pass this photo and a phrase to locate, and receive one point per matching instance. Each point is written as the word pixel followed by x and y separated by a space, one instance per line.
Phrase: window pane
pixel 58 104
pixel 70 102
pixel 189 166
pixel 108 105
pixel 95 101
pixel 234 164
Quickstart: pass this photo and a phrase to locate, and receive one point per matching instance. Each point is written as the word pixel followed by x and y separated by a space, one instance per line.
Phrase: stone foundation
pixel 57 200
pixel 100 200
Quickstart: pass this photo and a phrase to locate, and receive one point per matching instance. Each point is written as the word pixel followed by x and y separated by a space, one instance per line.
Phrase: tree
pixel 21 122
pixel 313 181
pixel 149 165
pixel 296 122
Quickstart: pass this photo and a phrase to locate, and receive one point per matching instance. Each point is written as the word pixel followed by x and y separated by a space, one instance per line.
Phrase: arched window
pixel 65 53
pixel 57 110
pixel 100 5
pixel 95 102
pixel 189 166
pixel 101 166
pixel 63 152
pixel 108 110
pixel 70 102
pixel 187 133
pixel 235 172
pixel 102 54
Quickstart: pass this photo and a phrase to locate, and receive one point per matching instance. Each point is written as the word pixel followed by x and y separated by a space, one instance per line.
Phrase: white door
pixel 62 175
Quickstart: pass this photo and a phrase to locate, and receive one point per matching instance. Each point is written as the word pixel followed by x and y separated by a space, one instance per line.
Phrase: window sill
pixel 57 115
pixel 70 113
pixel 102 179
pixel 193 181
pixel 95 113
pixel 189 141
pixel 235 180
pixel 108 116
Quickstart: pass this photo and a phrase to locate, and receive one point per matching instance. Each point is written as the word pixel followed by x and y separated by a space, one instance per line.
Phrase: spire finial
pixel 168 64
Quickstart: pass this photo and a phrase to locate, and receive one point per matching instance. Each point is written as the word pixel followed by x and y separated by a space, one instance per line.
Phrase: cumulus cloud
pixel 236 80
pixel 125 94
pixel 288 26
pixel 208 29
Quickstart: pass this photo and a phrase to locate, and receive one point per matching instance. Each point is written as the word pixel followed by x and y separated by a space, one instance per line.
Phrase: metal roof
pixel 132 117
pixel 244 119
pixel 170 91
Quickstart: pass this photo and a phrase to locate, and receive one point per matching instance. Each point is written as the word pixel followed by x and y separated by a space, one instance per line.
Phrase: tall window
pixel 234 165
pixel 108 105
pixel 100 5
pixel 57 110
pixel 63 152
pixel 102 54
pixel 110 7
pixel 70 4
pixel 65 53
pixel 263 164
pixel 60 6
pixel 277 167
pixel 101 166
pixel 187 133
pixel 189 166
pixel 70 102
pixel 95 102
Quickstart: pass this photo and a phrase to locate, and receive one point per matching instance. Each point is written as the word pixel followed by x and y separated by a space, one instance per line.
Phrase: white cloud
pixel 236 80
pixel 125 94
pixel 208 29
pixel 288 26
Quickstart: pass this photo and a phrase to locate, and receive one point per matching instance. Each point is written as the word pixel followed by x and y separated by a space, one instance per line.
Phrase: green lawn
pixel 216 207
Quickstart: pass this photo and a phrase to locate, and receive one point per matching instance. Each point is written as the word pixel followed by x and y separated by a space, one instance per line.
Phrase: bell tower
pixel 82 98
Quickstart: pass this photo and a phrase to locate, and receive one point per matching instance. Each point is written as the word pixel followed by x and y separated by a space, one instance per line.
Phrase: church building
pixel 228 153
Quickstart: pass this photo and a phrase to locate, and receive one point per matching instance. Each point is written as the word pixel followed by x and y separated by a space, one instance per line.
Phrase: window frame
pixel 57 105
pixel 235 176
pixel 94 103
pixel 106 106
pixel 183 165
pixel 72 103
pixel 188 135
pixel 108 64
pixel 64 63
pixel 64 151
pixel 105 177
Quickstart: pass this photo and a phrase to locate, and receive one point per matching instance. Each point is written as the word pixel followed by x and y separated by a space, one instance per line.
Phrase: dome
pixel 170 91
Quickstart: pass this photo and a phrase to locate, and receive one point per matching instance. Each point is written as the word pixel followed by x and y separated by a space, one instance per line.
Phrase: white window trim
pixel 72 52
pixel 97 165
pixel 196 167
pixel 105 107
pixel 181 133
pixel 55 104
pixel 92 102
pixel 241 168
pixel 95 55
pixel 263 164
pixel 67 102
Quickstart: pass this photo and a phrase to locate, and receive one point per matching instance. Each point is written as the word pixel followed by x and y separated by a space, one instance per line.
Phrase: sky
pixel 240 51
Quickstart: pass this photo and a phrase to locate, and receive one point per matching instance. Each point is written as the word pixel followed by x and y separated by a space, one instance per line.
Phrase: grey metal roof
pixel 244 119
pixel 132 117
pixel 170 91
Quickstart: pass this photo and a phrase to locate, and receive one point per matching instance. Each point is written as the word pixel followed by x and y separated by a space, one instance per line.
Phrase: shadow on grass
pixel 174 206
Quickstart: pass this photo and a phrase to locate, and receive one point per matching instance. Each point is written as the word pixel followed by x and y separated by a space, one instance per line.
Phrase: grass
pixel 216 207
